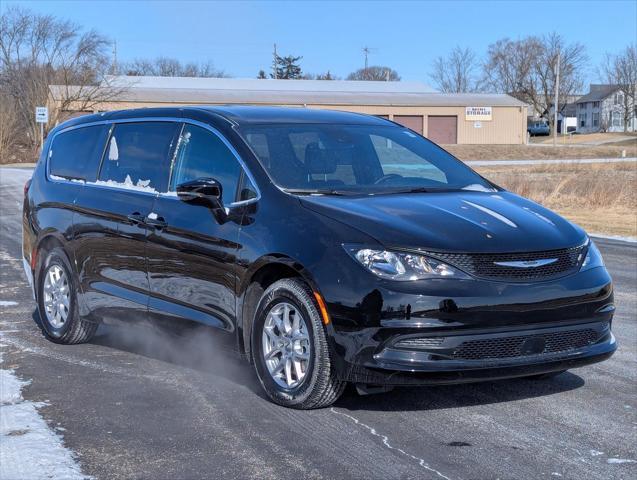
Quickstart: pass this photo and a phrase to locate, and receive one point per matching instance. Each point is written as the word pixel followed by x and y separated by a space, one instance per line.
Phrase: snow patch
pixel 127 184
pixel 113 151
pixel 620 460
pixel 140 186
pixel 29 448
pixel 7 303
pixel 596 453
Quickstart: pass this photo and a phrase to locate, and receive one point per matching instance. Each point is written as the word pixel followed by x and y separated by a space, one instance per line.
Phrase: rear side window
pixel 137 154
pixel 76 154
pixel 202 154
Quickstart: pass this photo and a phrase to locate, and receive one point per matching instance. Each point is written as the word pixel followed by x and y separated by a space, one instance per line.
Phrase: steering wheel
pixel 384 178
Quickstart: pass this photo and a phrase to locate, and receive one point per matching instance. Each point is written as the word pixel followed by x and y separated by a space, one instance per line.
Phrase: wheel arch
pixel 263 273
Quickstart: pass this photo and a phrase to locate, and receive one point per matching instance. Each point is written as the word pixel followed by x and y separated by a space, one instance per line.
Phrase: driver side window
pixel 202 154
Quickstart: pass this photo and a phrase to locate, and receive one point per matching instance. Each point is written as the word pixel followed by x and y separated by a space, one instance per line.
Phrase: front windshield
pixel 356 159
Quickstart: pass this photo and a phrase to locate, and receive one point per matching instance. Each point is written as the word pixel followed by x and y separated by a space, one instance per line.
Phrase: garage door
pixel 442 130
pixel 413 122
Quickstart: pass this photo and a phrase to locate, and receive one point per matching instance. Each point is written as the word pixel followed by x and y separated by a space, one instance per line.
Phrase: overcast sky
pixel 238 36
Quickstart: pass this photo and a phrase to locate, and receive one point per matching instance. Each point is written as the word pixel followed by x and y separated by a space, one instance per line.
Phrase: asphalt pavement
pixel 136 403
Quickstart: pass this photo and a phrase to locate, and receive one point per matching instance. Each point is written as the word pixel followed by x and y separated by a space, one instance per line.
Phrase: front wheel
pixel 290 350
pixel 57 301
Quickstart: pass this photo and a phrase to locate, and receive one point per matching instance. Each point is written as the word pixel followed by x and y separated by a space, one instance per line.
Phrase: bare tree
pixel 320 76
pixel 526 69
pixel 9 125
pixel 458 72
pixel 37 51
pixel 621 70
pixel 171 67
pixel 509 65
pixel 375 73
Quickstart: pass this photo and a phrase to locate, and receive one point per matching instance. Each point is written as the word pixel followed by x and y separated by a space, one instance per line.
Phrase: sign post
pixel 41 117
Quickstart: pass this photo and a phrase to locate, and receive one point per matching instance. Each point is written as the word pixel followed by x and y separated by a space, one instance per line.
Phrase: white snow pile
pixel 140 186
pixel 28 447
pixel 127 184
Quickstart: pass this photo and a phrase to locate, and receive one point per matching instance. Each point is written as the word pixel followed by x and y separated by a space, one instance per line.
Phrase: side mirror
pixel 206 192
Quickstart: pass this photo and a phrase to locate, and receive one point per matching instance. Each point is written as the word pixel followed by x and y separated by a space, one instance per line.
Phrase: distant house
pixel 567 119
pixel 602 110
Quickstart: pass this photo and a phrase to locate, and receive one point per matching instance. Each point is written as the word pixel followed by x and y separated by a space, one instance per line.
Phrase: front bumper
pixel 505 354
pixel 365 331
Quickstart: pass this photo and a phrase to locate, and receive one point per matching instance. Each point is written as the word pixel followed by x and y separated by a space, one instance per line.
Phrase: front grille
pixel 525 345
pixel 483 265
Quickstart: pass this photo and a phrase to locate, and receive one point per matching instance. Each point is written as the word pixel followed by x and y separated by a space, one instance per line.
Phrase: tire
pixel 546 376
pixel 318 386
pixel 69 330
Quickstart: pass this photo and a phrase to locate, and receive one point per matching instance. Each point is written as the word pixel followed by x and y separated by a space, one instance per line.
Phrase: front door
pixel 192 254
pixel 110 220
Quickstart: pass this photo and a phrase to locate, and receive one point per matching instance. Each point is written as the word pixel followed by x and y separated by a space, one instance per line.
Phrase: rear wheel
pixel 57 301
pixel 290 350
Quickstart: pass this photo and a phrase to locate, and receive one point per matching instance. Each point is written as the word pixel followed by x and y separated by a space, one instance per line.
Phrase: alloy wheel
pixel 57 296
pixel 286 345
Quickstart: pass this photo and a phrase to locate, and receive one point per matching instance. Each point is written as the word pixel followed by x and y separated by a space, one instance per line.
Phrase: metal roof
pixel 598 93
pixel 221 91
pixel 269 85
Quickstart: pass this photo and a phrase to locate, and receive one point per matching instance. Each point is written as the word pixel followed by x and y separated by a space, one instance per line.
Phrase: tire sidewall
pixel 56 257
pixel 273 296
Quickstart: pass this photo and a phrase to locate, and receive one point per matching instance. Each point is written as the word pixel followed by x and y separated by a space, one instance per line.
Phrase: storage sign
pixel 41 114
pixel 478 114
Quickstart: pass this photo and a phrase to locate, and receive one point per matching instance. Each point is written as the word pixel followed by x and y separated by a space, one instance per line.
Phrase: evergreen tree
pixel 287 67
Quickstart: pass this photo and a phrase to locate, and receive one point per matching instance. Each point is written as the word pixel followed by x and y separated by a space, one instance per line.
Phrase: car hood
pixel 477 222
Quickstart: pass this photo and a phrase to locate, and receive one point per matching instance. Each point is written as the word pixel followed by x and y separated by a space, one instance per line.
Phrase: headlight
pixel 593 258
pixel 402 266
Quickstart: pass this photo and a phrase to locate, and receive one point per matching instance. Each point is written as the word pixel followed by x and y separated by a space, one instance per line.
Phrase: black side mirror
pixel 206 192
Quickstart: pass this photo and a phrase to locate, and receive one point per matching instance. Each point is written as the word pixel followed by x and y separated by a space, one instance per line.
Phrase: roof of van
pixel 238 114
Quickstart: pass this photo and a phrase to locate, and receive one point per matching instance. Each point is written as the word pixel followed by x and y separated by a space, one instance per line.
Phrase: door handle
pixel 154 221
pixel 135 218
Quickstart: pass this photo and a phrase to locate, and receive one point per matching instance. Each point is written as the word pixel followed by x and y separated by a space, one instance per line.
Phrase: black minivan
pixel 326 247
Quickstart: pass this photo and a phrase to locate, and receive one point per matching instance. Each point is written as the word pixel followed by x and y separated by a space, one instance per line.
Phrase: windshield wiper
pixel 312 191
pixel 418 190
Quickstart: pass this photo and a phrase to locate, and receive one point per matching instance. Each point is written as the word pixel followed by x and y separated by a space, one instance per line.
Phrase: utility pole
pixel 114 68
pixel 557 99
pixel 366 52
pixel 274 63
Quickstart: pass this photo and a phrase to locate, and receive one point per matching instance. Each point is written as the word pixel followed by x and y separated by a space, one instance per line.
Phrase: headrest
pixel 319 161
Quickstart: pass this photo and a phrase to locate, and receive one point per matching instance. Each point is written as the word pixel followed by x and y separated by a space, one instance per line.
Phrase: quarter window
pixel 76 154
pixel 137 154
pixel 202 154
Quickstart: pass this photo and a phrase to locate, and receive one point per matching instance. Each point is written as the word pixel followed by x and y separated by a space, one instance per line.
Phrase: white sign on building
pixel 41 114
pixel 478 114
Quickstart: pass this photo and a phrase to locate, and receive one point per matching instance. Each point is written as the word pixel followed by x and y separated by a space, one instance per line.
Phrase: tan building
pixel 444 118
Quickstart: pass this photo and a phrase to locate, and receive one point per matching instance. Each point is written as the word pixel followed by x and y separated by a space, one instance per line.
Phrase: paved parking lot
pixel 136 404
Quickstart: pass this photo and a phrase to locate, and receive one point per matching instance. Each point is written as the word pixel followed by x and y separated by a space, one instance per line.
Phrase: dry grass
pixel 584 138
pixel 539 152
pixel 599 197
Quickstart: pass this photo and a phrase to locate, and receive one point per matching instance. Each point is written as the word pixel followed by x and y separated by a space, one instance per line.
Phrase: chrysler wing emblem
pixel 528 263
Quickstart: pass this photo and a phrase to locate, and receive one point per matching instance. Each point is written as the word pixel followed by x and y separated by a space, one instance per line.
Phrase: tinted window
pixel 137 154
pixel 202 154
pixel 77 153
pixel 360 159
